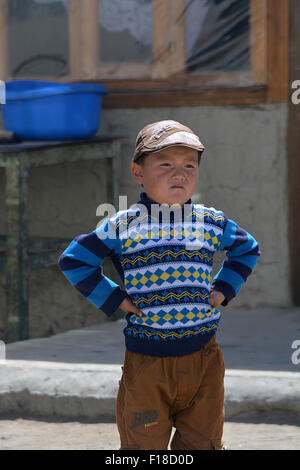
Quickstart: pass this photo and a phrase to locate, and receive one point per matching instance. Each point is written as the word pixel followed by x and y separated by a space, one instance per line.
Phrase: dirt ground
pixel 256 432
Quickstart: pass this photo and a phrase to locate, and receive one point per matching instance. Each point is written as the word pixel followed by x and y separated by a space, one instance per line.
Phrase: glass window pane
pixel 125 30
pixel 218 35
pixel 38 37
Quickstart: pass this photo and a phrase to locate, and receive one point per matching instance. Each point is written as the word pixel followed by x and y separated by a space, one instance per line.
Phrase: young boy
pixel 173 374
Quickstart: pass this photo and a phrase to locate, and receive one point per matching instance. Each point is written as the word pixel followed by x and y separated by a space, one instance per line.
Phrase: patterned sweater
pixel 165 264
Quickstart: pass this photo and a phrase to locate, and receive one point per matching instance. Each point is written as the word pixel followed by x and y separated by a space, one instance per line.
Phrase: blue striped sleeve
pixel 81 263
pixel 242 251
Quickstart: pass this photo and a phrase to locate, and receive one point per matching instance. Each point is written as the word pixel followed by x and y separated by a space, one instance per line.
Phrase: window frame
pixel 269 20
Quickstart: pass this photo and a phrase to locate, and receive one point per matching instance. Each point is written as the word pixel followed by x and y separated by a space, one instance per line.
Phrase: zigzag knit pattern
pixel 166 268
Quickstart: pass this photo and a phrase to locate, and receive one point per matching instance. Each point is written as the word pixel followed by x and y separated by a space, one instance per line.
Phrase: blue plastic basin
pixel 39 110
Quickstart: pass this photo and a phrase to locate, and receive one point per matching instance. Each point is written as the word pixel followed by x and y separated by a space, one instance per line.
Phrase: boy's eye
pixel 188 165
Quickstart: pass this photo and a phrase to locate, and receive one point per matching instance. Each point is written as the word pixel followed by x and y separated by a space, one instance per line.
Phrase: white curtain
pixel 136 17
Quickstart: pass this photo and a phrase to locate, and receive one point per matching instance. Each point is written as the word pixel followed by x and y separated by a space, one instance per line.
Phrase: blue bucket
pixel 36 110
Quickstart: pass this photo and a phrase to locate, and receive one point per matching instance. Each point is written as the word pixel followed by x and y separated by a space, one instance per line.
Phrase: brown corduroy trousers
pixel 157 394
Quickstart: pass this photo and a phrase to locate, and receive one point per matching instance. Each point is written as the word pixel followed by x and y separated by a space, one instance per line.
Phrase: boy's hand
pixel 216 298
pixel 127 306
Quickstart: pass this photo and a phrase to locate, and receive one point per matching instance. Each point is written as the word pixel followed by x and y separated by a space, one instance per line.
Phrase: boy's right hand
pixel 127 306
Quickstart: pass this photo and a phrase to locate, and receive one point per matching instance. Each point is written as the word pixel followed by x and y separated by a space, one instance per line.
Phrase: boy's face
pixel 169 176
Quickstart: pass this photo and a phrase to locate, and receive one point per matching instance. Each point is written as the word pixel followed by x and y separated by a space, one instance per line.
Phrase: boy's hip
pixel 170 371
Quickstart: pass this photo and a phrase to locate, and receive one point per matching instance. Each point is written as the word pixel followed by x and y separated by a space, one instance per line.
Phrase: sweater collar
pixel 144 199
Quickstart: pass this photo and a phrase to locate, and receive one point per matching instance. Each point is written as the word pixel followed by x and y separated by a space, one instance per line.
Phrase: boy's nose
pixel 178 175
pixel 178 172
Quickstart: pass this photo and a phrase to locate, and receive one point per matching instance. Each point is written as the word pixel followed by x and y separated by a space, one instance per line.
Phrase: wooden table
pixel 19 253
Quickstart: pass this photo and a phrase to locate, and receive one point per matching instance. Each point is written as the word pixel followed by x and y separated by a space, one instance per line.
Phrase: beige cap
pixel 163 134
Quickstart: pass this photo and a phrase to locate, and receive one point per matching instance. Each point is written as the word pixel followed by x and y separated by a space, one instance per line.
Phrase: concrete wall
pixel 243 172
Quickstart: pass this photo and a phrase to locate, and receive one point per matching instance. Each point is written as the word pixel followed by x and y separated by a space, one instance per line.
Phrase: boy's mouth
pixel 177 186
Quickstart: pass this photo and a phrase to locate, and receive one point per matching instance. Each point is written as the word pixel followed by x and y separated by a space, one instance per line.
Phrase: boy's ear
pixel 137 172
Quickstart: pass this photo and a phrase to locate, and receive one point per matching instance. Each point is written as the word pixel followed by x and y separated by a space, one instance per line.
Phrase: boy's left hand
pixel 216 298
